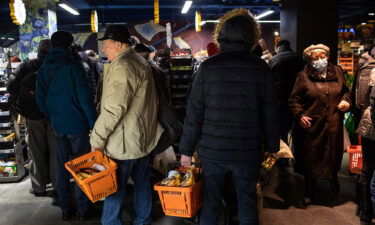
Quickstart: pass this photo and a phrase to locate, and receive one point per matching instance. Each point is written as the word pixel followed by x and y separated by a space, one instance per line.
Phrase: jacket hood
pixel 237 26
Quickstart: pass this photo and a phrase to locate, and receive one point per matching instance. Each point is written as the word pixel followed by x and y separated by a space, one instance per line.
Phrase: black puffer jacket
pixel 285 66
pixel 231 108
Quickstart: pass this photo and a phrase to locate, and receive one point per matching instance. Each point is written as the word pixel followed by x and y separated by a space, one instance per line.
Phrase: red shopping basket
pixel 355 158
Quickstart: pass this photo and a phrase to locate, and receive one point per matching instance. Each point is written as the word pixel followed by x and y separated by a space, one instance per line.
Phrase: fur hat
pixel 309 50
pixel 237 25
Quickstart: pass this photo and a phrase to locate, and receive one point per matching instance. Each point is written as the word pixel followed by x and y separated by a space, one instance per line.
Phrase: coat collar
pixel 234 47
pixel 314 75
pixel 123 52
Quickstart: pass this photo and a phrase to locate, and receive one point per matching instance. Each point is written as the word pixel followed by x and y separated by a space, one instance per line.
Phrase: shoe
pixel 67 215
pixel 38 194
pixel 83 216
pixel 335 185
pixel 304 203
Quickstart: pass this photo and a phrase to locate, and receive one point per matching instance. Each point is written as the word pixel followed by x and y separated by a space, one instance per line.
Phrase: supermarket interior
pixel 174 112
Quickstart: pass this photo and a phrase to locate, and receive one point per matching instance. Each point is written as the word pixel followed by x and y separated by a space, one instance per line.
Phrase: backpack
pixel 167 116
pixel 362 90
pixel 26 100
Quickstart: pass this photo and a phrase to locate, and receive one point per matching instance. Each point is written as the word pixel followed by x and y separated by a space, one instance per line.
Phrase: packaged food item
pixel 188 179
pixel 268 163
pixel 173 179
pixel 82 175
pixel 97 167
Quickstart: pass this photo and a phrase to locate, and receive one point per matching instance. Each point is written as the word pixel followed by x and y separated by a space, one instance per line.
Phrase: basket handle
pixel 172 166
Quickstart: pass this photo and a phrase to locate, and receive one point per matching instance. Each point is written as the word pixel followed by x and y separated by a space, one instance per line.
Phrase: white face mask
pixel 320 65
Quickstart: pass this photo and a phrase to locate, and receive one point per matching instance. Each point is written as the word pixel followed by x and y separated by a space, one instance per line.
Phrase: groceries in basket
pixel 84 173
pixel 175 179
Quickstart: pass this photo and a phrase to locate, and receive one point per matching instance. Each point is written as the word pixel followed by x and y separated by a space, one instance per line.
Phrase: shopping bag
pixel 284 151
pixel 347 142
pixel 350 127
pixel 162 159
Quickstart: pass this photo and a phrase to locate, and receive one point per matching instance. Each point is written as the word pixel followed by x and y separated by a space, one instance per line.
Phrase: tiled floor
pixel 18 207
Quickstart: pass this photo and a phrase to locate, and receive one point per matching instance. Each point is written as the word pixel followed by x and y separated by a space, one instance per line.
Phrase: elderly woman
pixel 318 102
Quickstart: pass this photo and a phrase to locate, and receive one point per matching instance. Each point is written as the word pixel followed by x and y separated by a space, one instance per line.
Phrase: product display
pixel 11 154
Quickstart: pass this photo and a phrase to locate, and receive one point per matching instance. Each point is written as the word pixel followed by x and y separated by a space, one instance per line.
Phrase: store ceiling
pixel 119 11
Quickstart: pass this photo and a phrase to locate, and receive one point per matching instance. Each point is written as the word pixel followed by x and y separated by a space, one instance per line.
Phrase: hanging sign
pixel 94 21
pixel 156 11
pixel 198 21
pixel 168 31
pixel 17 11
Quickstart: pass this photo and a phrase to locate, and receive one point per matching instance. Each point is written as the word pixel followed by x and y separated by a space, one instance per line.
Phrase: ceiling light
pixel 268 21
pixel 363 23
pixel 276 33
pixel 265 13
pixel 371 14
pixel 186 7
pixel 11 39
pixel 2 38
pixel 69 9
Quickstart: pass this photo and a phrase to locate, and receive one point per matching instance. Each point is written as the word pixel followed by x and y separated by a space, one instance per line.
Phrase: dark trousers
pixel 70 146
pixel 139 171
pixel 285 123
pixel 244 179
pixel 42 147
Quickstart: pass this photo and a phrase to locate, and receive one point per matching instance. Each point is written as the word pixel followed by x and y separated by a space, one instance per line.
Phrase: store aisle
pixel 19 207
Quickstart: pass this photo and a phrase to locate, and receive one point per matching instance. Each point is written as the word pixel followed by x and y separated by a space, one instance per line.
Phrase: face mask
pixel 320 65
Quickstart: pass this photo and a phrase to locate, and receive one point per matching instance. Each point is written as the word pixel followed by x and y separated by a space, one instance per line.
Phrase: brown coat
pixel 319 149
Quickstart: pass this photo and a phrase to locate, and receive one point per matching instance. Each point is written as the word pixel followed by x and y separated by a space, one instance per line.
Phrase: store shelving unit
pixel 12 157
pixel 349 63
pixel 181 77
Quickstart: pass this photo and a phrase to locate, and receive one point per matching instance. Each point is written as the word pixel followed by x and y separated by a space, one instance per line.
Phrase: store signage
pixel 17 11
pixel 156 11
pixel 344 30
pixel 94 21
pixel 198 21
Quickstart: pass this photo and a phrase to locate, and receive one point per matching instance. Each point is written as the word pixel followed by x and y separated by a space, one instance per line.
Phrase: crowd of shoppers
pixel 240 105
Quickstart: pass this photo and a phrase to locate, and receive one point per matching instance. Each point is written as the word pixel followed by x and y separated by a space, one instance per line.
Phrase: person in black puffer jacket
pixel 231 111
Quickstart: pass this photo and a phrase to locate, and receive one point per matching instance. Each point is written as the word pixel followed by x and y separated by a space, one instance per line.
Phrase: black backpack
pixel 26 97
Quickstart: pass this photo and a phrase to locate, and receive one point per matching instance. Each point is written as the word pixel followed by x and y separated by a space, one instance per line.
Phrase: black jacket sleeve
pixel 194 115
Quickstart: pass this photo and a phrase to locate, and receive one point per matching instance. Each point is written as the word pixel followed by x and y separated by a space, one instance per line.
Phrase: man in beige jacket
pixel 127 128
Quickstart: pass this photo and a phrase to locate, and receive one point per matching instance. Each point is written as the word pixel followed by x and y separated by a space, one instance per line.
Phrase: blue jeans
pixel 70 146
pixel 244 178
pixel 139 171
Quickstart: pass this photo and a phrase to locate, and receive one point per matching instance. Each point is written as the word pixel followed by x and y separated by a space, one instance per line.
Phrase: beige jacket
pixel 127 127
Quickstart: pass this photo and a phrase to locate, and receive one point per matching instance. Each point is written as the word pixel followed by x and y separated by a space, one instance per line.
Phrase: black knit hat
pixel 283 43
pixel 118 33
pixel 62 39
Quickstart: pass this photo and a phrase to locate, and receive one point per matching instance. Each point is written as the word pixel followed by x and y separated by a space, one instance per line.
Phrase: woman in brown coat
pixel 318 102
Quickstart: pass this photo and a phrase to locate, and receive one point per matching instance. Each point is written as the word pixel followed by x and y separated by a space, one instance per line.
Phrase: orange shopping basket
pixel 180 201
pixel 100 184
pixel 355 158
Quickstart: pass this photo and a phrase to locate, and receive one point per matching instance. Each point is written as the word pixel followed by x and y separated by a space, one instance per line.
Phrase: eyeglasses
pixel 318 55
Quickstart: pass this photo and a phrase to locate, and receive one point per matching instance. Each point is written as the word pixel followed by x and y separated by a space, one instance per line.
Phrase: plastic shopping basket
pixel 355 158
pixel 181 201
pixel 100 184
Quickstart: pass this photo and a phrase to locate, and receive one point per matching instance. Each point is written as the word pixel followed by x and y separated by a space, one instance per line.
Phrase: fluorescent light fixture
pixel 69 9
pixel 186 7
pixel 276 33
pixel 371 14
pixel 363 23
pixel 268 21
pixel 264 14
pixel 3 38
pixel 11 39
